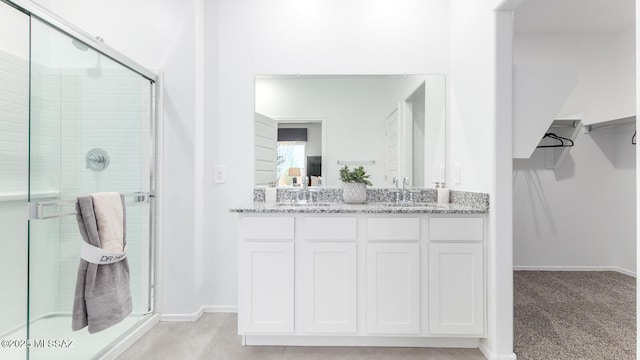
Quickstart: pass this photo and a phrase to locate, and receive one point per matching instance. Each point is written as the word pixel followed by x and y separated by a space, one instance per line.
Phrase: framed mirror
pixel 312 125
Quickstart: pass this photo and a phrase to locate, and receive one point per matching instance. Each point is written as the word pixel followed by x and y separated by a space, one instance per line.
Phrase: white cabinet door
pixel 329 293
pixel 456 296
pixel 266 295
pixel 393 288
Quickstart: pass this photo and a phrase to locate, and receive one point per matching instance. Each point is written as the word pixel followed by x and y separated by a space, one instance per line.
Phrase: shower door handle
pixel 37 208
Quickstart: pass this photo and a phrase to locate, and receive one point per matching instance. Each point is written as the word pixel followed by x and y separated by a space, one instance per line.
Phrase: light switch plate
pixel 456 176
pixel 220 174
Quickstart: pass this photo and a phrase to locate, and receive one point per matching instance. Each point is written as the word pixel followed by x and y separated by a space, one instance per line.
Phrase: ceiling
pixel 574 17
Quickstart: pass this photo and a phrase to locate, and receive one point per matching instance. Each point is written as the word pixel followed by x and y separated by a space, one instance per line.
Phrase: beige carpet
pixel 574 315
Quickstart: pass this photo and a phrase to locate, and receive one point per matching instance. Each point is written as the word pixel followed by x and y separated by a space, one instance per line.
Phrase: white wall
pixel 211 133
pixel 470 102
pixel 555 222
pixel 605 65
pixel 436 132
pixel 15 26
pixel 288 37
pixel 477 129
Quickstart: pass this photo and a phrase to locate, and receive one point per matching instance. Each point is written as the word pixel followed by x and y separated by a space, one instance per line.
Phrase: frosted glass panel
pixel 14 127
pixel 87 110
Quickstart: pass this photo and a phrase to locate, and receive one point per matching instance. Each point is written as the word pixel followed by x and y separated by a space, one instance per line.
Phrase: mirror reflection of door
pixel 416 119
pixel 423 137
pixel 391 148
pixel 286 150
pixel 266 150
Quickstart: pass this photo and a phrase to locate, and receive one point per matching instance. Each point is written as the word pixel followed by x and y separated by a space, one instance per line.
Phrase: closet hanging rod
pixel 565 123
pixel 610 124
pixel 36 208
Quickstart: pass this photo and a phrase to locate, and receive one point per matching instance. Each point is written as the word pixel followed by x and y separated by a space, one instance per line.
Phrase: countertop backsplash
pixel 374 195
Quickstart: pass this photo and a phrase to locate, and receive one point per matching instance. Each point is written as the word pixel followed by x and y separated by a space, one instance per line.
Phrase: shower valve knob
pixel 97 159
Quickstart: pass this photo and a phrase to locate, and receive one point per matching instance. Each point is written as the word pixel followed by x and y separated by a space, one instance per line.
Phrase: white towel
pixel 109 217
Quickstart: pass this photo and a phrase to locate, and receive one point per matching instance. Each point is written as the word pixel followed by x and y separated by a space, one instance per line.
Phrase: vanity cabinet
pixel 266 275
pixel 456 276
pixel 328 276
pixel 362 279
pixel 393 276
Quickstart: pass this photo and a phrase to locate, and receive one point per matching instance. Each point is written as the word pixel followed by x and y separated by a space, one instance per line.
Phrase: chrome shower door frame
pixel 35 10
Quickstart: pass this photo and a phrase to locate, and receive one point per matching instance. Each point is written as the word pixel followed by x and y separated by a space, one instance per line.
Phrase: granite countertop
pixel 368 208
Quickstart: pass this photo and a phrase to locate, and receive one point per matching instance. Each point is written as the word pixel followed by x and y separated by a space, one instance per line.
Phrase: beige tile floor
pixel 214 336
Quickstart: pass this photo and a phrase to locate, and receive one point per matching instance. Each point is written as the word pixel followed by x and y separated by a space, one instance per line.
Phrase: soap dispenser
pixel 271 193
pixel 443 193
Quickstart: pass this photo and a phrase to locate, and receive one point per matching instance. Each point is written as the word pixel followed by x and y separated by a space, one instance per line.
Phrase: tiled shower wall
pixel 72 111
pixel 14 112
pixel 44 235
pixel 111 112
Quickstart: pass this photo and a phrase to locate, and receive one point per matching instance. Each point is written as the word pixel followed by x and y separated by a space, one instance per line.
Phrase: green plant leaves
pixel 357 175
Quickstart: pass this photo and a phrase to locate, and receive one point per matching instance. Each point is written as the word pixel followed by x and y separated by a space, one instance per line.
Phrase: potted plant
pixel 354 185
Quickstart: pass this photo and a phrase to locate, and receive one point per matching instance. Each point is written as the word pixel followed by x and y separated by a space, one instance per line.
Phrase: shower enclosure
pixel 75 118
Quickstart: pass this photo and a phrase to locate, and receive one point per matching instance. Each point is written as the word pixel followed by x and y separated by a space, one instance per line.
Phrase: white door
pixel 266 149
pixel 456 296
pixel 391 154
pixel 329 295
pixel 393 288
pixel 266 299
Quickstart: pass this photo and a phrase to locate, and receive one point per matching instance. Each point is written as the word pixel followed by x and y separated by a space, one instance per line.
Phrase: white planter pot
pixel 354 193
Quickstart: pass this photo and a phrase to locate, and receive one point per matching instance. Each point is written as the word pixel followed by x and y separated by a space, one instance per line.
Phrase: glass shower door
pixel 14 135
pixel 90 132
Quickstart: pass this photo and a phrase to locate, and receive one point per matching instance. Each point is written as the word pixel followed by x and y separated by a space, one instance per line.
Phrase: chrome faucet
pixel 402 195
pixel 396 185
pixel 304 191
pixel 405 192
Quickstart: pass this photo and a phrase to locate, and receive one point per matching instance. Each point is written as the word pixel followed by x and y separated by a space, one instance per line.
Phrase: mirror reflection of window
pixel 291 162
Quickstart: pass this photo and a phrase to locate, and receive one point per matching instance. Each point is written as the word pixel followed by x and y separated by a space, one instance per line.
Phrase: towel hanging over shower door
pixel 102 294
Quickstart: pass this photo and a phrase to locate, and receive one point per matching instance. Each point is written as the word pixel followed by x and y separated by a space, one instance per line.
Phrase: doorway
pixel 574 221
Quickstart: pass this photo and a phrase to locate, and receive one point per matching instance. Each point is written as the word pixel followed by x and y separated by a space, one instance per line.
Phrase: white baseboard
pixel 227 309
pixel 182 317
pixel 493 356
pixel 368 341
pixel 230 309
pixel 575 268
pixel 625 271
